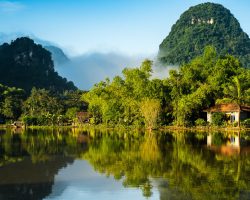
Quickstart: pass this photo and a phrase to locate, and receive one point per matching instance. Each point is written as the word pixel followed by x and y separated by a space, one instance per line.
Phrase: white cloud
pixel 10 6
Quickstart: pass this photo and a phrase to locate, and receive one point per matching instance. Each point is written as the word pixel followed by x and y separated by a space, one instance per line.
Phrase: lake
pixel 127 165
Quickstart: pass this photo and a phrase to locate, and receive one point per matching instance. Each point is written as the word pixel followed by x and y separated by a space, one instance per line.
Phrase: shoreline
pixel 162 128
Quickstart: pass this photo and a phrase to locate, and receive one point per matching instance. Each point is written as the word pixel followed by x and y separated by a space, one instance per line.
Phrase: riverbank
pixel 162 128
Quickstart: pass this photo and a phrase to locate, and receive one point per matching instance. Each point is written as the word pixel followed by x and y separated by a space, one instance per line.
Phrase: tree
pixel 44 106
pixel 11 100
pixel 118 101
pixel 150 109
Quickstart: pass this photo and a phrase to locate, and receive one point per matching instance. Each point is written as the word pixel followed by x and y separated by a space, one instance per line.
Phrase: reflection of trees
pixel 149 149
pixel 126 157
pixel 192 171
pixel 188 170
pixel 39 145
pixel 29 161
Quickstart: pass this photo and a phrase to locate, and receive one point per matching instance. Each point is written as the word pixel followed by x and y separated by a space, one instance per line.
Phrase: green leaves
pixel 119 101
pixel 11 100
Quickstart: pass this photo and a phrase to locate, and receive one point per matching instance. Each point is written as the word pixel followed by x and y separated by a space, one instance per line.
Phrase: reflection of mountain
pixel 26 180
pixel 30 160
pixel 173 165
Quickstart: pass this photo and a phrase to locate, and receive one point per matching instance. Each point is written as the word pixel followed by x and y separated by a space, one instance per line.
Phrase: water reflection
pixel 94 164
pixel 229 144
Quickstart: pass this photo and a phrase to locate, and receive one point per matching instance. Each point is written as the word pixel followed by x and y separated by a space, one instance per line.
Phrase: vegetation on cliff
pixel 202 25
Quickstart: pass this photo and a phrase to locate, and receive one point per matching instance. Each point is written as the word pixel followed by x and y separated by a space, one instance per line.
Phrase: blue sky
pixel 127 26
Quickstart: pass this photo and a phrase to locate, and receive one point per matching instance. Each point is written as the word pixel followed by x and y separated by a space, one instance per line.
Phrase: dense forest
pixel 137 99
pixel 32 91
pixel 30 88
pixel 41 107
pixel 202 25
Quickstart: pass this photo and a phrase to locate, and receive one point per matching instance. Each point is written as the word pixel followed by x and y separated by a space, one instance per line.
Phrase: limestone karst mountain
pixel 202 25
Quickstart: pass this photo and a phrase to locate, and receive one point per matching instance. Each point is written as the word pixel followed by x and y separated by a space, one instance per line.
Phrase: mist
pixel 161 71
pixel 91 68
pixel 88 69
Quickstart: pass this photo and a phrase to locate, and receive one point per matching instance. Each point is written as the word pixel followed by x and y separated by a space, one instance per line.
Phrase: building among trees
pixel 232 111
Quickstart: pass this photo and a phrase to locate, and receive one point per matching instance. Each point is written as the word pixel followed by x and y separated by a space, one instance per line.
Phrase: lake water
pixel 110 165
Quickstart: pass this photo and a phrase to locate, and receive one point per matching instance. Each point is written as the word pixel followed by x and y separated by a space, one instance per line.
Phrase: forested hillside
pixel 202 25
pixel 24 64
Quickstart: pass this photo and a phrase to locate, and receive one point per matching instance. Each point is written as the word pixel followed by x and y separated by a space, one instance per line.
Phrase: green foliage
pixel 246 123
pixel 218 119
pixel 182 96
pixel 202 25
pixel 119 101
pixel 29 120
pixel 71 113
pixel 41 102
pixel 46 108
pixel 200 122
pixel 199 83
pixel 150 109
pixel 11 100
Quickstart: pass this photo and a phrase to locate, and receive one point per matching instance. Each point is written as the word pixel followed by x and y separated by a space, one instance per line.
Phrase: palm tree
pixel 236 92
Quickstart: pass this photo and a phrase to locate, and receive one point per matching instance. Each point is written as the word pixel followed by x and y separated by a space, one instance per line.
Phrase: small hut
pixel 18 124
pixel 83 117
pixel 234 111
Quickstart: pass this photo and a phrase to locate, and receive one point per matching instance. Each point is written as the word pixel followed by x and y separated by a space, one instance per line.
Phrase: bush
pixel 246 122
pixel 29 120
pixel 200 122
pixel 218 119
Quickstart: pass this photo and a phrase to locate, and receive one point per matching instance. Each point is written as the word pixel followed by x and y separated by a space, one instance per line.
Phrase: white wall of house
pixel 209 117
pixel 235 114
pixel 209 140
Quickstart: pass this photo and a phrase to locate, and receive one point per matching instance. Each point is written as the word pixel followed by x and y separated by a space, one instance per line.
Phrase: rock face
pixel 202 25
pixel 24 64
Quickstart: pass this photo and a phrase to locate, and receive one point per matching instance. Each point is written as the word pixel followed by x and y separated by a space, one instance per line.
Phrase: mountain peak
pixel 25 64
pixel 202 25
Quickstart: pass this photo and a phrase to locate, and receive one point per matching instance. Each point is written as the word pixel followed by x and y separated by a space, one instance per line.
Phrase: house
pixel 83 117
pixel 17 124
pixel 233 111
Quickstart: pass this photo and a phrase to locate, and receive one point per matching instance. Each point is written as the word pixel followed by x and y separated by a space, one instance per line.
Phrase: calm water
pixel 77 164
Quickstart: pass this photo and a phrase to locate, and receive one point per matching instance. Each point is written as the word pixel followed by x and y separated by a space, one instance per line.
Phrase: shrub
pixel 218 119
pixel 246 122
pixel 200 122
pixel 29 120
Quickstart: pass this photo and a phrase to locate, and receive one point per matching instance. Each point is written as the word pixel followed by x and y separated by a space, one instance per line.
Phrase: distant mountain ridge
pixel 24 64
pixel 58 55
pixel 202 25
